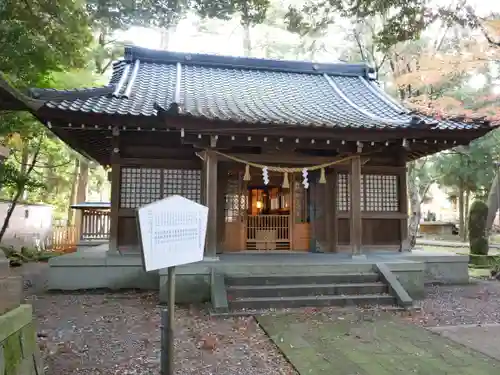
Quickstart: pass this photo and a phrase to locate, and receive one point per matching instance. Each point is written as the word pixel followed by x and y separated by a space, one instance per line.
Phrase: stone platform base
pixel 94 270
pixel 99 270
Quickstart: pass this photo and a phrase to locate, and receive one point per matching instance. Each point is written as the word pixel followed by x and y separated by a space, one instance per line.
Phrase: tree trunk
pixel 461 216
pixel 166 35
pixel 415 200
pixel 493 202
pixel 466 214
pixel 24 167
pixel 72 197
pixel 247 41
pixel 50 176
pixel 21 185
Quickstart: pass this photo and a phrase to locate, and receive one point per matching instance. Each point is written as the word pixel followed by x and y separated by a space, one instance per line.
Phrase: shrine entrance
pixel 268 224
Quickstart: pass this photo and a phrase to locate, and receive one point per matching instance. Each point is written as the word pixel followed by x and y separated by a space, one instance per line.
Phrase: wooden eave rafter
pixel 96 143
pixel 189 125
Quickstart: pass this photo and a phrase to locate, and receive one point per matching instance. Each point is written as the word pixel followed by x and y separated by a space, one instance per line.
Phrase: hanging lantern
pixel 322 178
pixel 286 182
pixel 247 177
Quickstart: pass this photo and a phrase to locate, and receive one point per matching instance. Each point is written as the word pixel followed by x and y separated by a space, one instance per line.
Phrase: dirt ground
pixel 119 333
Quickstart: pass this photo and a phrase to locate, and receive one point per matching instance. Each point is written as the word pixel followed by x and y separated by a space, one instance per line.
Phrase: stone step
pixel 339 278
pixel 299 290
pixel 314 301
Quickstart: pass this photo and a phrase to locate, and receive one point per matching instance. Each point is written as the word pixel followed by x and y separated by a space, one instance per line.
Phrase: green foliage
pixel 251 12
pixel 403 19
pixel 39 37
pixel 469 168
pixel 478 236
pixel 107 17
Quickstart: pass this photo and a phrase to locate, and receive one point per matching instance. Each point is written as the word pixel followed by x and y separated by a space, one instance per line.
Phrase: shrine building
pixel 302 166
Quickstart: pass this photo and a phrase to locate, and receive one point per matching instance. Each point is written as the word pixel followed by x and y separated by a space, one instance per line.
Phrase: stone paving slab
pixel 484 339
pixel 359 344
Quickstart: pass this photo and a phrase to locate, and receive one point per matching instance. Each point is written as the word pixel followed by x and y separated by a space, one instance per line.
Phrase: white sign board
pixel 172 232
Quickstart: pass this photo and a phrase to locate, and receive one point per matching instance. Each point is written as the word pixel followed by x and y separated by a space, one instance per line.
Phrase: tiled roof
pixel 243 90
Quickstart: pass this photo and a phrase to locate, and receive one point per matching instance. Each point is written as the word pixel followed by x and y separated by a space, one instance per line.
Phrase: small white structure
pixel 172 232
pixel 29 224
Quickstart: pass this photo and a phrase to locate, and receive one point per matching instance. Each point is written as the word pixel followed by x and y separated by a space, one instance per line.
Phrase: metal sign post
pixel 171 232
pixel 167 325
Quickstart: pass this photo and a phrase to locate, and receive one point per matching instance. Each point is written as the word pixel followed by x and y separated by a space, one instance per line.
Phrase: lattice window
pixel 139 186
pixel 378 193
pixel 185 182
pixel 381 193
pixel 236 202
pixel 343 191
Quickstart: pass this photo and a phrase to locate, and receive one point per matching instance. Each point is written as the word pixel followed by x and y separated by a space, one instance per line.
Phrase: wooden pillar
pixel 328 199
pixel 115 192
pixel 333 231
pixel 211 202
pixel 355 214
pixel 222 181
pixel 403 209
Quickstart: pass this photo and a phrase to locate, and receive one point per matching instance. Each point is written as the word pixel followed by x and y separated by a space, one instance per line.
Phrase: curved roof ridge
pixel 133 53
pixel 361 110
pixel 377 91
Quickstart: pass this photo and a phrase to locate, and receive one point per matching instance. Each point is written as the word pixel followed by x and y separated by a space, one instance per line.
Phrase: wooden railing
pixel 95 225
pixel 268 232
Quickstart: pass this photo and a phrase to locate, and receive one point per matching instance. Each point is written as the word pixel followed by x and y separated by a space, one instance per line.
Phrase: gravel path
pixel 477 303
pixel 119 333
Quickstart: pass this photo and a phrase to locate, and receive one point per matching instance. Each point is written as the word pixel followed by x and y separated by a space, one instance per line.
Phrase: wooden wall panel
pixel 377 232
pixel 381 232
pixel 234 239
pixel 343 232
pixel 127 233
pixel 301 237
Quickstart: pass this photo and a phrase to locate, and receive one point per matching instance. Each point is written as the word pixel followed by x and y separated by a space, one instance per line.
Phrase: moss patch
pixel 13 354
pixel 369 345
pixel 28 335
pixel 14 320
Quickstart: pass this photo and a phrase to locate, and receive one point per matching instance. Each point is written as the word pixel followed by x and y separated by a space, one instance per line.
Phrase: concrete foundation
pixel 94 269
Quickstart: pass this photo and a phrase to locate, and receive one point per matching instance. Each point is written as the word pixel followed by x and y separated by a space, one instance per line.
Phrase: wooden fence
pixel 95 225
pixel 62 239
